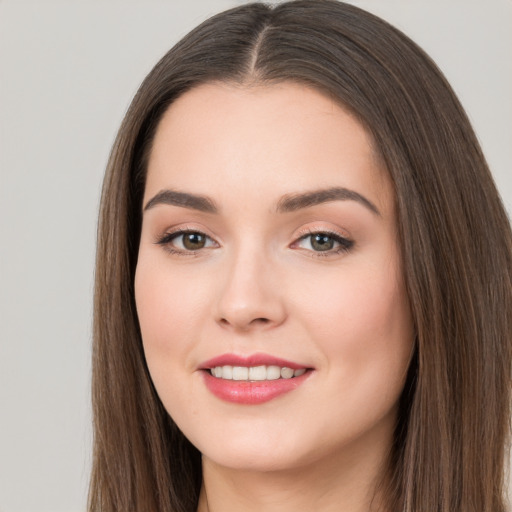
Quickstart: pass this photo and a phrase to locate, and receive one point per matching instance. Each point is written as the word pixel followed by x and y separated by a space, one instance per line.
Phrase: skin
pixel 259 285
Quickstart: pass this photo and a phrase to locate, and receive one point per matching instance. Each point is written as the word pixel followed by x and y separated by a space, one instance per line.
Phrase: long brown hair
pixel 456 245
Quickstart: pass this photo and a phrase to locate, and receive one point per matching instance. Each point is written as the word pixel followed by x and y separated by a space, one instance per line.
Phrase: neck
pixel 340 483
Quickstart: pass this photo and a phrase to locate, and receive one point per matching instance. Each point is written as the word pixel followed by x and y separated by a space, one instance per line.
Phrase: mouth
pixel 252 380
pixel 255 373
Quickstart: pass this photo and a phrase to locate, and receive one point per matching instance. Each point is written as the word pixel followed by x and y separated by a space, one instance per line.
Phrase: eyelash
pixel 345 244
pixel 167 238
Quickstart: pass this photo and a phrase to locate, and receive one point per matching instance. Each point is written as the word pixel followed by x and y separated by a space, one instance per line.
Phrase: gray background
pixel 68 70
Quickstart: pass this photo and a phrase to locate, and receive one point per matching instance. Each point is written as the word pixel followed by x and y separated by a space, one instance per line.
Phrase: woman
pixel 303 285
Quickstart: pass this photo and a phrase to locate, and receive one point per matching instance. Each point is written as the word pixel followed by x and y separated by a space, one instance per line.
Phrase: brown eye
pixel 324 242
pixel 193 241
pixel 186 242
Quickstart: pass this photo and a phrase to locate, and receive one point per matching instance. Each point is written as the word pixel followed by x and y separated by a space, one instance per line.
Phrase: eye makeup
pixel 319 242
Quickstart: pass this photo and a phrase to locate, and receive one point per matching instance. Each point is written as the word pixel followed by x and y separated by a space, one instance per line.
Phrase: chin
pixel 255 460
pixel 261 453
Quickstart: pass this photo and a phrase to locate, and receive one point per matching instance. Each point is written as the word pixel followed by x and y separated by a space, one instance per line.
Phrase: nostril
pixel 261 321
pixel 245 325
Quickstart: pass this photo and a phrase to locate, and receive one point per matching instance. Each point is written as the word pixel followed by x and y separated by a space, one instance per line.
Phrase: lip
pixel 258 359
pixel 251 392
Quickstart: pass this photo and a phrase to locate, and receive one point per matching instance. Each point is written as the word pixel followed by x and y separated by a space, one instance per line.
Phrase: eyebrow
pixel 183 199
pixel 293 202
pixel 288 203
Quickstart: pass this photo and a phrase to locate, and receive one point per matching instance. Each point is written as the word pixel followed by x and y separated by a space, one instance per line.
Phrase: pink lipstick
pixel 252 380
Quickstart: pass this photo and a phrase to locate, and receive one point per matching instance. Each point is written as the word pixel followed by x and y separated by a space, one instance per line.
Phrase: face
pixel 274 319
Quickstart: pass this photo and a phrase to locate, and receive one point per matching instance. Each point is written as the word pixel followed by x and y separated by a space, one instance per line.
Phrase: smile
pixel 252 380
pixel 255 373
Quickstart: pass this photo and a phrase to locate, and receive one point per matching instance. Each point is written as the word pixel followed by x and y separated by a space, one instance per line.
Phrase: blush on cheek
pixel 371 316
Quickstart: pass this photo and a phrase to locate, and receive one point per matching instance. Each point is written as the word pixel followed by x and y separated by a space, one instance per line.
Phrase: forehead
pixel 286 134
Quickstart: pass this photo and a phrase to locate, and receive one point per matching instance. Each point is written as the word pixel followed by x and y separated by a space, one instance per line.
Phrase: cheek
pixel 168 307
pixel 364 331
pixel 363 326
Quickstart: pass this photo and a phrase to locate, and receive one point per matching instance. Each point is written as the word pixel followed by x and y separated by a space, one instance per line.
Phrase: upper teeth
pixel 255 372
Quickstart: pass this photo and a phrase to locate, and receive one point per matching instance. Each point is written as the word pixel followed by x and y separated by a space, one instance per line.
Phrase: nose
pixel 251 294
